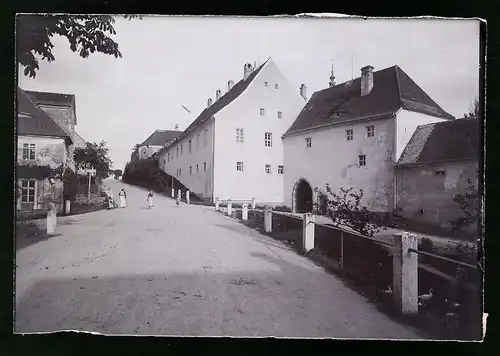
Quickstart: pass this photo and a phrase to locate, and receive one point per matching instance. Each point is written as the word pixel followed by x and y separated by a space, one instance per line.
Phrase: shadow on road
pixel 296 302
pixel 28 234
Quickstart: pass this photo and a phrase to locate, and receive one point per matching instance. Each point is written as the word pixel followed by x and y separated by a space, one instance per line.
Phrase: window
pixel 205 137
pixel 280 169
pixel 177 151
pixel 349 134
pixel 362 160
pixel 190 170
pixel 198 141
pixel 276 86
pixel 280 115
pixel 181 148
pixel 308 142
pixel 268 168
pixel 239 166
pixel 266 84
pixel 370 131
pixel 29 151
pixel 168 156
pixel 268 139
pixel 239 135
pixel 28 190
pixel 197 169
pixel 439 173
pixel 262 112
pixel 204 166
pixel 189 146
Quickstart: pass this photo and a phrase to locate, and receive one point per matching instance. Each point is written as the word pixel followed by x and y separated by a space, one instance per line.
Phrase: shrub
pixel 469 204
pixel 283 208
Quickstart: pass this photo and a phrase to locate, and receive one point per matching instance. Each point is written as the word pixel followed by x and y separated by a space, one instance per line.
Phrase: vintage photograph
pixel 295 177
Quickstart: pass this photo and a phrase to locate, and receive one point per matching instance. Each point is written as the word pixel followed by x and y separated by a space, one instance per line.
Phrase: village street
pixel 182 271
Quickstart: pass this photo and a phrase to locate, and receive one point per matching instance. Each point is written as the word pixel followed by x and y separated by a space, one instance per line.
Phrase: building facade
pixel 42 149
pixel 351 135
pixel 440 161
pixel 233 149
pixel 156 141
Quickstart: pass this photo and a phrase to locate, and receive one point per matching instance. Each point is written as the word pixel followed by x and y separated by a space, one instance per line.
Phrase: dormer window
pixel 262 112
pixel 276 86
pixel 266 84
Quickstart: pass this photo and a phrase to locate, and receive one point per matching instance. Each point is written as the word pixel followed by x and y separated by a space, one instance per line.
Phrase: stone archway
pixel 302 197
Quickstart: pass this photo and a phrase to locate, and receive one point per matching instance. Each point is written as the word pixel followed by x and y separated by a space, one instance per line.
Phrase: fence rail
pixel 433 255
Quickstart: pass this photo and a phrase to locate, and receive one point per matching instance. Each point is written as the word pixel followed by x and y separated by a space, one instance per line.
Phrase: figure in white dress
pixel 122 199
pixel 150 199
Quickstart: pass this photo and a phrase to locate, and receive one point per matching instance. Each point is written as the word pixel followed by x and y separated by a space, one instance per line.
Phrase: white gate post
pixel 179 194
pixel 67 207
pixel 268 219
pixel 308 232
pixel 229 208
pixel 405 273
pixel 253 203
pixel 51 219
pixel 187 197
pixel 217 204
pixel 173 193
pixel 244 212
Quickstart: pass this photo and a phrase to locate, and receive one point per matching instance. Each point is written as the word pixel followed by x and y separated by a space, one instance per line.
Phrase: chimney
pixel 303 93
pixel 218 94
pixel 176 127
pixel 366 80
pixel 332 79
pixel 209 102
pixel 247 70
pixel 230 85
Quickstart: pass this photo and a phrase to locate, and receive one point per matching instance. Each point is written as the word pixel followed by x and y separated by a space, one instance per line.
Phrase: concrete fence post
pixel 308 232
pixel 253 203
pixel 244 212
pixel 217 204
pixel 67 207
pixel 179 194
pixel 229 208
pixel 268 219
pixel 51 219
pixel 188 200
pixel 173 193
pixel 405 273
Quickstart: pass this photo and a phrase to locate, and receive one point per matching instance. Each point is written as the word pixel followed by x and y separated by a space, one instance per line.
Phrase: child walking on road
pixel 150 199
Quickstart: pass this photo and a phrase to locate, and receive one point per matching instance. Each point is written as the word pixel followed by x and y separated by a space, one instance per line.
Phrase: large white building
pixel 233 149
pixel 352 135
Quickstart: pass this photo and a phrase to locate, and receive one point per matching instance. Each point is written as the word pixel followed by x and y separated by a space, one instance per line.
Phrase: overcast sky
pixel 172 61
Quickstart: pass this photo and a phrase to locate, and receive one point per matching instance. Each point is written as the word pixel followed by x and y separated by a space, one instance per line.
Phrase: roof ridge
pixel 396 68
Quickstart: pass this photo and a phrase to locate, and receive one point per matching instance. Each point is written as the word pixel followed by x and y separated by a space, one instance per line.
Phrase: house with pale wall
pixel 155 142
pixel 233 149
pixel 40 143
pixel 438 162
pixel 352 134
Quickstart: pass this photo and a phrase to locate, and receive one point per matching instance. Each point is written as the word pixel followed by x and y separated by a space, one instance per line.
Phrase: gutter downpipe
pixel 213 159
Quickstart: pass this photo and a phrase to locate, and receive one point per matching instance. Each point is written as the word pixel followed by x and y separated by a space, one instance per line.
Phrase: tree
pixel 345 209
pixel 86 34
pixel 469 204
pixel 118 173
pixel 473 110
pixel 94 155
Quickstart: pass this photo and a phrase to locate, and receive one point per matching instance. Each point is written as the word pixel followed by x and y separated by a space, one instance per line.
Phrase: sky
pixel 172 61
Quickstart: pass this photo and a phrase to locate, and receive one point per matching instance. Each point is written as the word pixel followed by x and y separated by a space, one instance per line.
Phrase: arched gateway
pixel 302 197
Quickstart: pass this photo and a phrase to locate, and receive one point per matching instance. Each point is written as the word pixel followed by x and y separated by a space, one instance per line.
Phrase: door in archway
pixel 303 197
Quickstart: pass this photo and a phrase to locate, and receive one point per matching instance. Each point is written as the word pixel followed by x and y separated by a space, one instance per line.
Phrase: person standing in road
pixel 150 199
pixel 122 198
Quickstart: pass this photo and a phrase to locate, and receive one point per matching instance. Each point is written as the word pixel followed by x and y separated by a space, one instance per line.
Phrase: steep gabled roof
pixel 447 141
pixel 37 122
pixel 40 97
pixel 224 101
pixel 161 137
pixel 393 89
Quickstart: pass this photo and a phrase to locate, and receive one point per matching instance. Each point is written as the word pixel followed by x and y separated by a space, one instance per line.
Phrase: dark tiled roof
pixel 446 141
pixel 161 137
pixel 39 123
pixel 225 100
pixel 393 89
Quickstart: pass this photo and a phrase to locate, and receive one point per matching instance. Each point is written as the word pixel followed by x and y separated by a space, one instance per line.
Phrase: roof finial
pixel 332 77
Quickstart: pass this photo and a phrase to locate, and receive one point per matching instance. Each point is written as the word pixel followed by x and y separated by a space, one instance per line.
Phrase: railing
pixel 404 251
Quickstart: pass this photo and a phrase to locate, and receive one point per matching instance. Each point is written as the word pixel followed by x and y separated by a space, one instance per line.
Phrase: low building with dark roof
pixel 439 161
pixel 41 144
pixel 233 149
pixel 156 141
pixel 352 134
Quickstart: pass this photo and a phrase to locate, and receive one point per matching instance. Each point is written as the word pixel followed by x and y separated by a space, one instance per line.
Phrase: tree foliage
pixel 345 210
pixel 469 204
pixel 94 155
pixel 473 110
pixel 70 184
pixel 117 173
pixel 86 34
